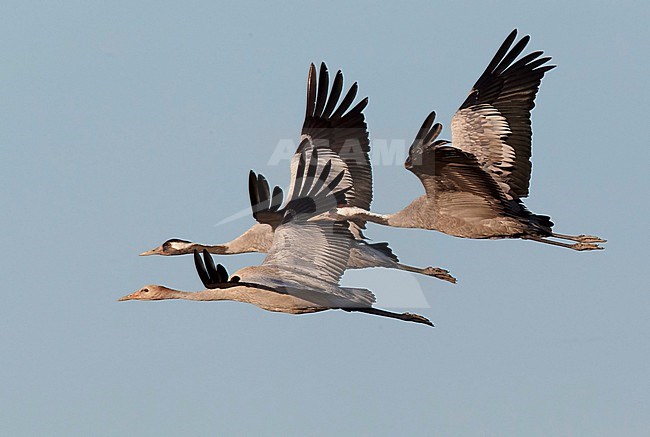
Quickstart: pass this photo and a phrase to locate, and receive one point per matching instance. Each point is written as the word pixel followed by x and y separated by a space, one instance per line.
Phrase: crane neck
pixel 258 238
pixel 355 214
pixel 215 294
pixel 402 219
pixel 417 214
pixel 217 249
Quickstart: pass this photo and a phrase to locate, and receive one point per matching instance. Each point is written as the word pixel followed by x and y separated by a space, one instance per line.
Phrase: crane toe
pixel 416 318
pixel 586 246
pixel 590 239
pixel 439 273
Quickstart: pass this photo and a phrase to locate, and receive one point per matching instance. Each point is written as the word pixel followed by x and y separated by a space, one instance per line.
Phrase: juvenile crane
pixel 474 184
pixel 304 265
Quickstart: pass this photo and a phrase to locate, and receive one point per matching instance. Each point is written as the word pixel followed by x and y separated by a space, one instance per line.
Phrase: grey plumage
pixel 306 260
pixel 474 184
pixel 340 134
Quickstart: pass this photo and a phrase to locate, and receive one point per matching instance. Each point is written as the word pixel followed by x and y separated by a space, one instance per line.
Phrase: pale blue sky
pixel 124 125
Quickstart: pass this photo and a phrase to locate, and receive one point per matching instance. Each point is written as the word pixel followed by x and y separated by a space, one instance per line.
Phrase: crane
pixel 307 258
pixel 474 184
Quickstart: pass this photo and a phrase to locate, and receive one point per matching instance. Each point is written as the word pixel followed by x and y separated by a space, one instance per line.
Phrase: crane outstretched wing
pixel 457 182
pixel 217 277
pixel 493 123
pixel 308 248
pixel 309 258
pixel 265 205
pixel 309 253
pixel 444 170
pixel 310 194
pixel 331 125
pixel 459 172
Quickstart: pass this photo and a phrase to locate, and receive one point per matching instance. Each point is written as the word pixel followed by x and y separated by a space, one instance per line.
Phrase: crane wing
pixel 309 258
pixel 493 123
pixel 309 250
pixel 331 125
pixel 453 178
pixel 318 249
pixel 217 277
pixel 265 205
pixel 310 194
pixel 302 243
pixel 459 183
pixel 309 254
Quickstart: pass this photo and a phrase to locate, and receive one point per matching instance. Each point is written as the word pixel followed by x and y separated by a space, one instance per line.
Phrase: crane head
pixel 173 246
pixel 149 292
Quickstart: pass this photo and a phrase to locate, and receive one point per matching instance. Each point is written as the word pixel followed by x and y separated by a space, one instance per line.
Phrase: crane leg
pixel 436 272
pixel 408 317
pixel 577 246
pixel 580 238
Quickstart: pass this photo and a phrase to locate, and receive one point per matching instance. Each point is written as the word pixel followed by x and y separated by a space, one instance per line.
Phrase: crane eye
pixel 145 290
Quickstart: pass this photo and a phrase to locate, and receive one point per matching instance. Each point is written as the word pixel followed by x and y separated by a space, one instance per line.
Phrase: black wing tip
pixel 265 203
pixel 429 130
pixel 505 65
pixel 253 194
pixel 223 273
pixel 212 276
pixel 196 256
pixel 259 193
pixel 312 198
pixel 384 248
pixel 359 107
pixel 202 270
pixel 433 133
pixel 340 196
pixel 336 180
pixel 426 124
pixel 252 175
pixel 263 192
pixel 276 198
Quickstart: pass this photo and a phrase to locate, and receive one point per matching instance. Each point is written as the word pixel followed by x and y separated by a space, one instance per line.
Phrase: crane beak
pixel 154 251
pixel 127 297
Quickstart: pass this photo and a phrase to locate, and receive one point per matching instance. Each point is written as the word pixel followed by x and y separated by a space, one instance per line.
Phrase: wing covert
pixel 493 123
pixel 331 124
